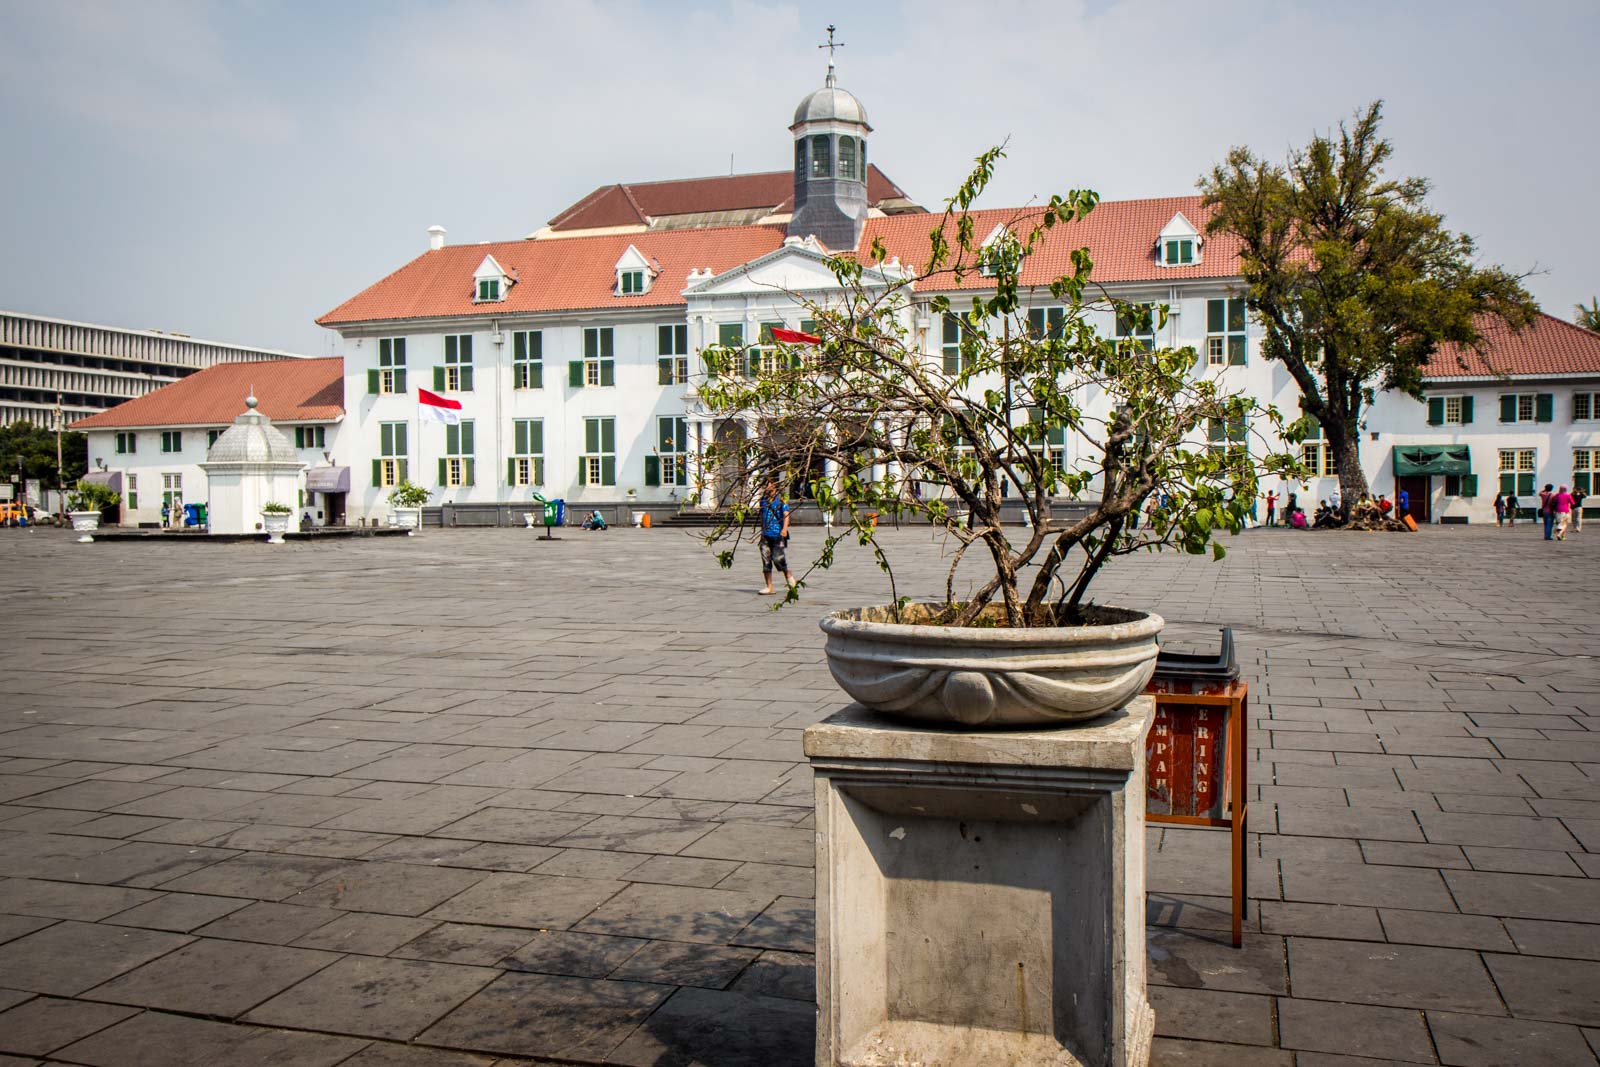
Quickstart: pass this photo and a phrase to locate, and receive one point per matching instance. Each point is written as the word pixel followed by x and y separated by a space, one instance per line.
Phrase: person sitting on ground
pixel 595 521
pixel 1323 518
pixel 1297 519
pixel 1385 505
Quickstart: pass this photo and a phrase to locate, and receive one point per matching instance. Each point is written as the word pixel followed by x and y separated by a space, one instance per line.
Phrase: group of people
pixel 1559 509
pixel 1331 513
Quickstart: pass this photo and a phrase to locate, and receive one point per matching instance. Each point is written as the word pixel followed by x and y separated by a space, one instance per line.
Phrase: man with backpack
pixel 774 535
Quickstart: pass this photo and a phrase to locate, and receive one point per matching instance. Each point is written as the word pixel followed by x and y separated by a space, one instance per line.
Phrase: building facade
pixel 574 352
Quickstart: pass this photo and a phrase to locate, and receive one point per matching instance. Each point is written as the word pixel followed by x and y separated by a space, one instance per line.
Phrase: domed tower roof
pixel 252 439
pixel 831 103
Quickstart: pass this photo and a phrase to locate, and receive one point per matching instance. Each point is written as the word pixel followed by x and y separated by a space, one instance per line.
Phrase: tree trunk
pixel 1344 438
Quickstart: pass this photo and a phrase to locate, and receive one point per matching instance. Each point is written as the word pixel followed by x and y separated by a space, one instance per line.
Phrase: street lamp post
pixel 61 471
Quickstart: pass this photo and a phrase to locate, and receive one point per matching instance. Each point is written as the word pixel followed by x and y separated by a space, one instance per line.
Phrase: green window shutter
pixel 606 348
pixel 466 379
pixel 438 379
pixel 405 469
pixel 399 349
pixel 444 471
pixel 1469 485
pixel 608 435
pixel 519 345
pixel 583 471
pixel 372 381
pixel 952 361
pixel 538 470
pixel 1525 485
pixel 680 435
pixel 511 472
pixel 466 348
pixel 1508 484
pixel 519 434
pixel 664 370
pixel 400 448
pixel 519 375
pixel 1215 430
pixel 536 437
pixel 1580 483
pixel 575 373
pixel 1508 407
pixel 1216 316
pixel 377 473
pixel 1466 418
pixel 1544 407
pixel 1188 251
pixel 450 348
pixel 536 376
pixel 591 436
pixel 469 472
pixel 608 374
pixel 591 344
pixel 730 334
pixel 808 326
pixel 452 440
pixel 299 437
pixel 1236 351
pixel 608 470
pixel 755 363
pixel 1036 321
pixel 1236 314
pixel 1436 411
pixel 652 470
pixel 663 340
pixel 400 381
pixel 467 439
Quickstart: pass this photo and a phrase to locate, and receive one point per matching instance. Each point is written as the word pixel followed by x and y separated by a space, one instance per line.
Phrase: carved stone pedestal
pixel 980 894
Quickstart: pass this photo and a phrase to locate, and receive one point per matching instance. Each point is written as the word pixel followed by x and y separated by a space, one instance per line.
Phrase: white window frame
pixel 1172 252
pixel 391 358
pixel 1591 406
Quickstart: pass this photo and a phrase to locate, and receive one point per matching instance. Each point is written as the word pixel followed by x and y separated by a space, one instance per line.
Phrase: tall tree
pixel 1589 317
pixel 30 450
pixel 1355 281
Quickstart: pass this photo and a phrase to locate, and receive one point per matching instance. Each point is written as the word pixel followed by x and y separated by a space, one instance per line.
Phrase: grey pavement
pixel 474 798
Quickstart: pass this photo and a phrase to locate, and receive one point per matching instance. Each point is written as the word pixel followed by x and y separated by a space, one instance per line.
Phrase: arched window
pixel 821 157
pixel 847 157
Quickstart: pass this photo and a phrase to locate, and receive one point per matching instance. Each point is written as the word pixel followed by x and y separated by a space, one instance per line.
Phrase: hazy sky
pixel 234 170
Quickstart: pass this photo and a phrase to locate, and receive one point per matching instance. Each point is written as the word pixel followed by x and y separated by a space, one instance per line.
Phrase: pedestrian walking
pixel 1272 506
pixel 1546 512
pixel 774 535
pixel 1499 509
pixel 1561 510
pixel 1402 504
pixel 1513 505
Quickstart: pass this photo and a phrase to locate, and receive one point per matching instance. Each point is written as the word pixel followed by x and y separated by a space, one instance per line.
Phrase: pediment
pixel 489 268
pixel 1179 226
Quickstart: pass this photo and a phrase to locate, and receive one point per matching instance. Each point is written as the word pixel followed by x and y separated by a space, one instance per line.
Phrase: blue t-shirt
pixel 772 513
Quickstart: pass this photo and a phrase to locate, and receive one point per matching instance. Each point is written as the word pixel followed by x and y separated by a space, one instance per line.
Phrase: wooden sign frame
pixel 1233 697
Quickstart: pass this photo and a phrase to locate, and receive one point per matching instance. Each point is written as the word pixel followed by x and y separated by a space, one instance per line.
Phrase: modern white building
pixel 574 352
pixel 92 368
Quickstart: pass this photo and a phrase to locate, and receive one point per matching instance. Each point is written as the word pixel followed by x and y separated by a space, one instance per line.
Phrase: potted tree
pixel 407 499
pixel 85 505
pixel 275 520
pixel 1160 457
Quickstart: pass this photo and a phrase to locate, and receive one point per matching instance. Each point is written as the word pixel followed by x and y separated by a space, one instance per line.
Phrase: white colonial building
pixel 574 352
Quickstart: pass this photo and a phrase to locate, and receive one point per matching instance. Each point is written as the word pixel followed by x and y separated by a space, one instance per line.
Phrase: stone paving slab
pixel 470 799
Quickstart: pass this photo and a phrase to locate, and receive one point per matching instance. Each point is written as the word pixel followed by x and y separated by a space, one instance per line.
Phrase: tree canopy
pixel 37 448
pixel 1589 317
pixel 1356 282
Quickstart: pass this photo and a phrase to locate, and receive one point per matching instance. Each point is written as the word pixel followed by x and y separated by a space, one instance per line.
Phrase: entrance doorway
pixel 1419 494
pixel 333 509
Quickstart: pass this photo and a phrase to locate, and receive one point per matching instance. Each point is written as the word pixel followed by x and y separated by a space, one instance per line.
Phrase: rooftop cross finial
pixel 830 46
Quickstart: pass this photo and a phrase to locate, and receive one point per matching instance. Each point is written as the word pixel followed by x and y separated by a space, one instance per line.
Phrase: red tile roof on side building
pixel 1546 346
pixel 288 390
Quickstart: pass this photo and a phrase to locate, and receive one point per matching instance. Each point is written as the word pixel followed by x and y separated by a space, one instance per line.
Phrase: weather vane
pixel 830 46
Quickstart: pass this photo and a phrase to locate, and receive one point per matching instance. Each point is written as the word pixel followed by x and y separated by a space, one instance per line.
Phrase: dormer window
pixel 634 273
pixel 490 282
pixel 1178 244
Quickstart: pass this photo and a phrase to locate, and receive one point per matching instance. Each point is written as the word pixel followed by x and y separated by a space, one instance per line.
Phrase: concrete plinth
pixel 980 895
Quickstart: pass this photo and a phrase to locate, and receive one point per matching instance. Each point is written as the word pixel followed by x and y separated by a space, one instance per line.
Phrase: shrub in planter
pixel 1163 456
pixel 272 507
pixel 92 496
pixel 409 494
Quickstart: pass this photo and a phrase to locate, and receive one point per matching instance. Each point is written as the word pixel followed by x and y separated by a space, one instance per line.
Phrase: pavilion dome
pixel 252 439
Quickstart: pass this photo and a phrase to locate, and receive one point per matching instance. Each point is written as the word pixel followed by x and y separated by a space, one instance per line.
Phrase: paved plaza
pixel 474 798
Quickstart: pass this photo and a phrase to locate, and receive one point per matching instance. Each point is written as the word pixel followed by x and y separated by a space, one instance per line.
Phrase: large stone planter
pixel 408 519
pixel 275 525
pixel 990 676
pixel 86 523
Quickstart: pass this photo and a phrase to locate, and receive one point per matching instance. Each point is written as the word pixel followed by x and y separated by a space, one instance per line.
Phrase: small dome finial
pixel 250 401
pixel 831 81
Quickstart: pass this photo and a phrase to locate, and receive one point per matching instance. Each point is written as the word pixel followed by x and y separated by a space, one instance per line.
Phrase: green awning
pixel 1432 459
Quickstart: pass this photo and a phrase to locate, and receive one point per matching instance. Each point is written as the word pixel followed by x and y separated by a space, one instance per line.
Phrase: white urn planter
pixel 409 519
pixel 86 523
pixel 275 525
pixel 637 518
pixel 991 676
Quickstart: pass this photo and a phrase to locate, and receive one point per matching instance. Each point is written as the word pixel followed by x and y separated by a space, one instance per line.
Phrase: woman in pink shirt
pixel 1561 504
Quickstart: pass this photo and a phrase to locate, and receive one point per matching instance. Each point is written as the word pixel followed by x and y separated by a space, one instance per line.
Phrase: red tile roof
pixel 1119 234
pixel 635 203
pixel 1547 345
pixel 289 390
pixel 578 273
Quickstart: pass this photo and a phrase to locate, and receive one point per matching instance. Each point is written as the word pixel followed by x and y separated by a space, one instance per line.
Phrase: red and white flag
pixel 437 408
pixel 794 337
